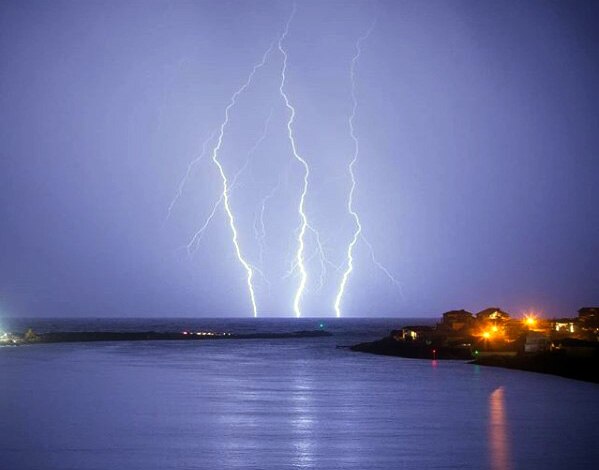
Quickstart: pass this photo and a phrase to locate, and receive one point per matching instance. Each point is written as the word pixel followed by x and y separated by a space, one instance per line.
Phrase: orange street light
pixel 530 321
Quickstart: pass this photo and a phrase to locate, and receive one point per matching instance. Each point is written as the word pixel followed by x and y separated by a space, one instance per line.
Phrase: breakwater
pixel 95 336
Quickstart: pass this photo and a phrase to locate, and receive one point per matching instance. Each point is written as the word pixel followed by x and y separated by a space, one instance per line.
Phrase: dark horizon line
pixel 292 317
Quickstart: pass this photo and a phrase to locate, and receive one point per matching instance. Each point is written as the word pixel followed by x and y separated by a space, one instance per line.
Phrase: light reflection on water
pixel 303 420
pixel 499 445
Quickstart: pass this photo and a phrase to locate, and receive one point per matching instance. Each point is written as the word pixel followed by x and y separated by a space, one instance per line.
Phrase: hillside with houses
pixel 562 346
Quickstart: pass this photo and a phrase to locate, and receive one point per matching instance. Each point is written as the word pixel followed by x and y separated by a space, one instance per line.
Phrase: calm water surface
pixel 279 404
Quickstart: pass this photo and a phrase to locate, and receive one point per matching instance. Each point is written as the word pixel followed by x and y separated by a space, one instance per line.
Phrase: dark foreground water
pixel 279 404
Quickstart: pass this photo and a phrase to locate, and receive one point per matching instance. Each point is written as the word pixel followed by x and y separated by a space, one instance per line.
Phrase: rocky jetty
pixel 389 346
pixel 93 336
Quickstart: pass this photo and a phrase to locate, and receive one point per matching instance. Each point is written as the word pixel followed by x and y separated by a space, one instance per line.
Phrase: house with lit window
pixel 413 333
pixel 493 314
pixel 566 326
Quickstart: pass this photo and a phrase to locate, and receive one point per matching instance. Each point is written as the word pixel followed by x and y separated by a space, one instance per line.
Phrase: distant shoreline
pixel 98 336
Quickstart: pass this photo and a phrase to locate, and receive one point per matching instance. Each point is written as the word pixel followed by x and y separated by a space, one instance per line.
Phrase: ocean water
pixel 278 404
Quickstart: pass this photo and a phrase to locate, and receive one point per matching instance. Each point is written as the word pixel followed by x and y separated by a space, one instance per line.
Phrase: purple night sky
pixel 476 179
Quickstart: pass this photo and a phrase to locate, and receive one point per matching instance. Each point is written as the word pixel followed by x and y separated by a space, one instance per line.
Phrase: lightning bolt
pixel 350 200
pixel 185 178
pixel 385 271
pixel 197 237
pixel 259 224
pixel 299 255
pixel 226 190
pixel 322 258
pixel 300 259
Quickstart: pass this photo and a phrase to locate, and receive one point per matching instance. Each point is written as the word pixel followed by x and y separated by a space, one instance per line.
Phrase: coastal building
pixel 492 324
pixel 535 342
pixel 588 317
pixel 493 314
pixel 564 326
pixel 413 333
pixel 457 321
pixel 30 336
